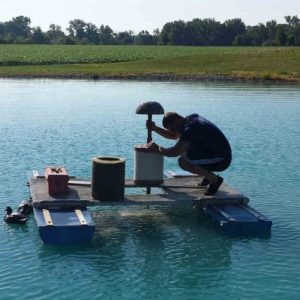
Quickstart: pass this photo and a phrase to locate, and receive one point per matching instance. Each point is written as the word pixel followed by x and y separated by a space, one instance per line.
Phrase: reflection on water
pixel 140 252
pixel 137 244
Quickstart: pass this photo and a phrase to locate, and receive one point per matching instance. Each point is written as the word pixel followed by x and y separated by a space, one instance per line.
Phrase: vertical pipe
pixel 149 139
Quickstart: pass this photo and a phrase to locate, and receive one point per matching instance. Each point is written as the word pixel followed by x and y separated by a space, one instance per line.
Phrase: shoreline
pixel 222 78
pixel 183 64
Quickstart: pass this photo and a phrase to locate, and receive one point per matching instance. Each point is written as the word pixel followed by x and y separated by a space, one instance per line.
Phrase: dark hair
pixel 169 118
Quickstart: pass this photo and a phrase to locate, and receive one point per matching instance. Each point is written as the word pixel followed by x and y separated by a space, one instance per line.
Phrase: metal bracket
pixel 81 217
pixel 47 217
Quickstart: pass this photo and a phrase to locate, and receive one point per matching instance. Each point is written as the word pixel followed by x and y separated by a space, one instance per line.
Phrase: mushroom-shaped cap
pixel 150 107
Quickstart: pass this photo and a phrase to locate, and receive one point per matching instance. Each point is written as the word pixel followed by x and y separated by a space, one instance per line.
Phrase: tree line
pixel 198 32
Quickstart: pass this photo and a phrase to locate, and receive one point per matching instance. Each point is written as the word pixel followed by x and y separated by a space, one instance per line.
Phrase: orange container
pixel 57 179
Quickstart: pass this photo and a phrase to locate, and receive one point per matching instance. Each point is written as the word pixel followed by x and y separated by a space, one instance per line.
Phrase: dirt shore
pixel 161 77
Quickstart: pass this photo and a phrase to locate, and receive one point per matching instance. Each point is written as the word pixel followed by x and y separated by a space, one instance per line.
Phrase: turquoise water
pixel 140 253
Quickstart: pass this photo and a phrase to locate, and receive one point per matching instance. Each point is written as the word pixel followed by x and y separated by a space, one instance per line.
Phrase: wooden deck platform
pixel 174 191
pixel 59 223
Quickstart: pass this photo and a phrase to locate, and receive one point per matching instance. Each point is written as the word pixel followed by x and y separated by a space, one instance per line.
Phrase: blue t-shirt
pixel 206 139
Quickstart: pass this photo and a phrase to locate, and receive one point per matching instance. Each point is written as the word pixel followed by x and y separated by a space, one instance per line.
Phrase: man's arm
pixel 178 149
pixel 161 131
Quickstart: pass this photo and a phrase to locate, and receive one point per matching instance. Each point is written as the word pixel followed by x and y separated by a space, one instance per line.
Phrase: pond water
pixel 140 253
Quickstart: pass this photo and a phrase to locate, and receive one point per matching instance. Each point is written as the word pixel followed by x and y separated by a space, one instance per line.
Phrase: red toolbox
pixel 58 179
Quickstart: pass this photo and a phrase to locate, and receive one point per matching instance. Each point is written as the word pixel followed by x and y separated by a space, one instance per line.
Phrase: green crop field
pixel 156 62
pixel 12 55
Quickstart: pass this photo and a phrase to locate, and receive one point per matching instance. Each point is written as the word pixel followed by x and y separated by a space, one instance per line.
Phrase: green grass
pixel 279 63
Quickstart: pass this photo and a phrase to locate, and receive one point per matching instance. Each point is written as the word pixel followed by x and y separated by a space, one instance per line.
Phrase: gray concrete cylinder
pixel 108 178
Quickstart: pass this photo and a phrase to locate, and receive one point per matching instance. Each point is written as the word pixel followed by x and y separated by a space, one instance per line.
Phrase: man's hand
pixel 150 125
pixel 152 147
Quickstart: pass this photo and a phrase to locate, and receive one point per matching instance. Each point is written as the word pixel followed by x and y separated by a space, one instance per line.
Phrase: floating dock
pixel 65 219
pixel 60 202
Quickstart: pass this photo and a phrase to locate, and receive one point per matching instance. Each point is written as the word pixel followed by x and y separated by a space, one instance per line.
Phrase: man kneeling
pixel 202 147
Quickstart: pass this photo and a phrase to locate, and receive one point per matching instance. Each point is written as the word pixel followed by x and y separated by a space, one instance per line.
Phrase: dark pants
pixel 210 164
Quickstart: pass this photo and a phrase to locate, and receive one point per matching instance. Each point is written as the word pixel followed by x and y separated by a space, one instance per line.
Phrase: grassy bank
pixel 151 62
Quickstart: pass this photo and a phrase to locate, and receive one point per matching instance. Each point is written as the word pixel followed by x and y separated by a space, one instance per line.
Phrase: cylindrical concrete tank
pixel 108 178
pixel 148 167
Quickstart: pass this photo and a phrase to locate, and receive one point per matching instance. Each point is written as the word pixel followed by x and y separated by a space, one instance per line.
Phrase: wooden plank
pixel 39 193
pixel 47 217
pixel 175 191
pixel 79 183
pixel 131 184
pixel 166 186
pixel 158 199
pixel 81 217
pixel 178 174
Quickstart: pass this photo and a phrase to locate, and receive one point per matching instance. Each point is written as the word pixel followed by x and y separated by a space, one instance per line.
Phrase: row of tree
pixel 198 32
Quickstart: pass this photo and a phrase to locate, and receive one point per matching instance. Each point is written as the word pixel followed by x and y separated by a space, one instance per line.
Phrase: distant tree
pixel 271 28
pixel 281 34
pixel 191 34
pixel 155 35
pixel 77 29
pixel 233 28
pixel 143 38
pixel 215 33
pixel 55 35
pixel 297 35
pixel 92 33
pixel 106 35
pixel 165 33
pixel 69 40
pixel 38 36
pixel 197 32
pixel 2 32
pixel 18 29
pixel 271 31
pixel 243 40
pixel 292 21
pixel 293 31
pixel 173 33
pixel 204 32
pixel 83 33
pixel 254 36
pixel 259 34
pixel 125 38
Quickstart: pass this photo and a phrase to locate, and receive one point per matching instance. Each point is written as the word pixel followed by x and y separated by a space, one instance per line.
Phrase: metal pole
pixel 149 139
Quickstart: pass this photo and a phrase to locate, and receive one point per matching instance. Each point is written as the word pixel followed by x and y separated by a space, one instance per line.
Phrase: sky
pixel 139 15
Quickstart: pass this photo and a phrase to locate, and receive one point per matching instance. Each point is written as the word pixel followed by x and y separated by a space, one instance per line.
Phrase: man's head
pixel 173 122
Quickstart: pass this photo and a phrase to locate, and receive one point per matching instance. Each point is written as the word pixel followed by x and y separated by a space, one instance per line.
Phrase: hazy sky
pixel 145 14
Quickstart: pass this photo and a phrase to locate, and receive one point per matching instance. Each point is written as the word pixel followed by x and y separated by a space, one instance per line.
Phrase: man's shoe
pixel 204 182
pixel 213 188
